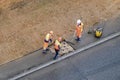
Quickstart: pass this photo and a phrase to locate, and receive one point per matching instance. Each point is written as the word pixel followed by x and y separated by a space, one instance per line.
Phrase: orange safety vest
pixel 57 45
pixel 79 30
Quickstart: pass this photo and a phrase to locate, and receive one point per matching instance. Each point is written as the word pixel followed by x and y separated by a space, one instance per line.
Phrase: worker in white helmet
pixel 48 38
pixel 79 30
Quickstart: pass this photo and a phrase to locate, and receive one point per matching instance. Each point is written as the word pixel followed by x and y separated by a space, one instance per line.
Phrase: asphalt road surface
pixel 98 63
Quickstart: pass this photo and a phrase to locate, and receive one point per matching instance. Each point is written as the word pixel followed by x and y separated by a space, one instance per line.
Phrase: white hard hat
pixel 78 21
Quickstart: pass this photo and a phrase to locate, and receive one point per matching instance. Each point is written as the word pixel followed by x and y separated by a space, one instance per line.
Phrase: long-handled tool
pixel 68 41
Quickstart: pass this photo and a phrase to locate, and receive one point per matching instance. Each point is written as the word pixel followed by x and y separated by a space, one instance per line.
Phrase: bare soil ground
pixel 24 23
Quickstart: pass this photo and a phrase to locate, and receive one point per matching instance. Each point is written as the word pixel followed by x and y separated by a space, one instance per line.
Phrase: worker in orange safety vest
pixel 57 46
pixel 79 30
pixel 48 38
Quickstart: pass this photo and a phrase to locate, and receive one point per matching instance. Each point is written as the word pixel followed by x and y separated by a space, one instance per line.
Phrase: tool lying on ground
pixel 69 42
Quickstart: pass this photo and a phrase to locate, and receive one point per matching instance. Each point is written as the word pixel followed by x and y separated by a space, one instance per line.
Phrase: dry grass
pixel 23 23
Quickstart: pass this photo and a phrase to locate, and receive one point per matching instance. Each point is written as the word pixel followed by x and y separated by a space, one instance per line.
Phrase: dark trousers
pixel 78 38
pixel 56 54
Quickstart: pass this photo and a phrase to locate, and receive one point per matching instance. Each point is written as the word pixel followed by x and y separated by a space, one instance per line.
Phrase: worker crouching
pixel 57 46
pixel 47 40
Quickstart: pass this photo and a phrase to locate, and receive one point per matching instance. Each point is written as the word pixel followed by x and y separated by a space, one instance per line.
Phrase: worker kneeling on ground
pixel 57 46
pixel 48 38
pixel 79 30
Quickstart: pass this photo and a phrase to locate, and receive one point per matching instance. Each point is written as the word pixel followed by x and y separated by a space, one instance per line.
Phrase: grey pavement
pixel 37 58
pixel 98 63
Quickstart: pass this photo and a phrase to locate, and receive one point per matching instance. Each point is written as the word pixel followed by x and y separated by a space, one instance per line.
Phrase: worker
pixel 57 46
pixel 79 30
pixel 48 38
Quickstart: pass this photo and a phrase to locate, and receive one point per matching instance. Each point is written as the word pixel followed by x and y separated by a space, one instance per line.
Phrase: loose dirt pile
pixel 24 23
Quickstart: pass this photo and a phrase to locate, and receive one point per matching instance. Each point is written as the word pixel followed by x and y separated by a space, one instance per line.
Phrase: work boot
pixel 47 49
pixel 44 51
pixel 78 39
